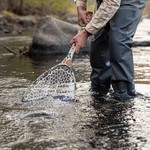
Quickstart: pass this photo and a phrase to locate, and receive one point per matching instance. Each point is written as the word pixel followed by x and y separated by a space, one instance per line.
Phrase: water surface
pixel 88 122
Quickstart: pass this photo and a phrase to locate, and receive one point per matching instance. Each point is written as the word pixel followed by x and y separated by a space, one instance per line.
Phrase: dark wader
pixel 111 54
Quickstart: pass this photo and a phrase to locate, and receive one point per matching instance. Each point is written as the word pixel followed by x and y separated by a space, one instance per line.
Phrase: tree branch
pixel 10 50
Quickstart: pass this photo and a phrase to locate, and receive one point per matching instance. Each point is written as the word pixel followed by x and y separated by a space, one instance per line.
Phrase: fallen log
pixel 10 50
pixel 22 51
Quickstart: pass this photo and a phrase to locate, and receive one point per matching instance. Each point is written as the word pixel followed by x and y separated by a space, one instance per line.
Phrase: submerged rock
pixel 53 37
pixel 37 114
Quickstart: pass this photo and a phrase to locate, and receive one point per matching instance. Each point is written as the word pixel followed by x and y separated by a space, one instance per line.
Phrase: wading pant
pixel 111 54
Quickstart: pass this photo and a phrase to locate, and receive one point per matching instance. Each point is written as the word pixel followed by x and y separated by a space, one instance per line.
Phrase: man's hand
pixel 89 16
pixel 82 18
pixel 80 40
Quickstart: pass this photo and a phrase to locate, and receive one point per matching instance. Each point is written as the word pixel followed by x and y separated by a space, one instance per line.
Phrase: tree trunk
pixel 20 11
pixel 11 5
pixel 15 6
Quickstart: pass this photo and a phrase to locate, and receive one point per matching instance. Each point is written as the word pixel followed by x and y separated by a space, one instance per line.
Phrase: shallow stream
pixel 88 122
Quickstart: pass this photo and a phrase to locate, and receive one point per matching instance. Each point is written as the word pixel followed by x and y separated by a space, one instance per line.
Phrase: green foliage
pixel 55 7
pixel 44 7
pixel 59 7
pixel 39 7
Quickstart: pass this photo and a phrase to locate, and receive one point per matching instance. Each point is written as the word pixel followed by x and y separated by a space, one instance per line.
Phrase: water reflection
pixel 112 124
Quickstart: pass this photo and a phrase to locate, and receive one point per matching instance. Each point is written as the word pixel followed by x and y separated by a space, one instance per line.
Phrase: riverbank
pixel 12 25
pixel 142 35
pixel 21 28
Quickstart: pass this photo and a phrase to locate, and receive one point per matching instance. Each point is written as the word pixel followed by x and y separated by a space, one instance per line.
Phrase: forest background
pixel 58 8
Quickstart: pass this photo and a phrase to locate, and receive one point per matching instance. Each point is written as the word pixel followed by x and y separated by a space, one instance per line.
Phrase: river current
pixel 88 122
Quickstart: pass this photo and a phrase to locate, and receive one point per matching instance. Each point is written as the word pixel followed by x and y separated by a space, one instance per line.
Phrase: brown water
pixel 89 122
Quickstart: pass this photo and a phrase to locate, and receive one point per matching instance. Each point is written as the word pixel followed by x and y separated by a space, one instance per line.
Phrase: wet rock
pixel 7 30
pixel 142 35
pixel 5 26
pixel 53 37
pixel 16 24
pixel 141 43
pixel 27 21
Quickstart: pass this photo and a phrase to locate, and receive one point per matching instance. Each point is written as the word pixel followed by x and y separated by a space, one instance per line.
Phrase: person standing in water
pixel 113 26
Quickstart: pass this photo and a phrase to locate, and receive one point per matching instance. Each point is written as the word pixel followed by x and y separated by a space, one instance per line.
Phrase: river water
pixel 88 122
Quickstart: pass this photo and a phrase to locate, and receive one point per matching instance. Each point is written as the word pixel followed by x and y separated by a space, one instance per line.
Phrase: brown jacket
pixel 103 14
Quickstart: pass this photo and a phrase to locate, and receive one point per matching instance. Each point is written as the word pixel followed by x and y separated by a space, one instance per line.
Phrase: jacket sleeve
pixel 105 12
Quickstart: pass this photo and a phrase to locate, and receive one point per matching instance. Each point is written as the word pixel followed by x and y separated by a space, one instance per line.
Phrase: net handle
pixel 68 58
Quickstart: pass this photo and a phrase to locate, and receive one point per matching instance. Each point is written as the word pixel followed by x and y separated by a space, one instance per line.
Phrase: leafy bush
pixel 39 7
pixel 44 7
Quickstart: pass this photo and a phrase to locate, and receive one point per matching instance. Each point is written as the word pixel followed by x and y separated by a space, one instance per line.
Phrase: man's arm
pixel 81 10
pixel 105 12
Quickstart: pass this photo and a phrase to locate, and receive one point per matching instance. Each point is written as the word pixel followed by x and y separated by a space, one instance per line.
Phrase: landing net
pixel 57 82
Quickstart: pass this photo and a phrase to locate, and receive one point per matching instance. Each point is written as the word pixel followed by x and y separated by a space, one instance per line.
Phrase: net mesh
pixel 57 82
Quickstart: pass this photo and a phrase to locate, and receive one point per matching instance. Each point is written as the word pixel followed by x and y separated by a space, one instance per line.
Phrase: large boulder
pixel 53 37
